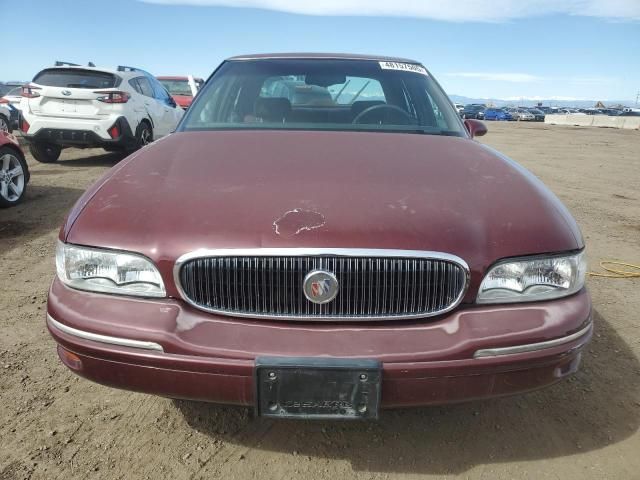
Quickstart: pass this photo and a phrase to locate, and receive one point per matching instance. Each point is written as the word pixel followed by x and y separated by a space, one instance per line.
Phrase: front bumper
pixel 166 348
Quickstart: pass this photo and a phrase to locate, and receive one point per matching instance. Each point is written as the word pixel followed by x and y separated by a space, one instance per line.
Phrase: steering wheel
pixel 394 108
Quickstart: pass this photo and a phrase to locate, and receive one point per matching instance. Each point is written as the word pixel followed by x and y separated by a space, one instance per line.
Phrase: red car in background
pixel 182 89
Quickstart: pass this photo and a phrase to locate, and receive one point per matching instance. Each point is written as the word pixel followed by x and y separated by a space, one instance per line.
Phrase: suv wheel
pixel 4 124
pixel 45 152
pixel 13 182
pixel 144 135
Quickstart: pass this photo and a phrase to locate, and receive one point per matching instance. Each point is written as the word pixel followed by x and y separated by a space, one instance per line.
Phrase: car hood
pixel 235 189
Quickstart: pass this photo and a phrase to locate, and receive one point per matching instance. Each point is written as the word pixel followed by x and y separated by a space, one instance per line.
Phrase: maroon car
pixel 321 259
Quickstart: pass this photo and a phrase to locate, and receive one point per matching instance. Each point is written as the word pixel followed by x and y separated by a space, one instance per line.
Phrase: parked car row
pixel 483 112
pixel 611 112
pixel 537 114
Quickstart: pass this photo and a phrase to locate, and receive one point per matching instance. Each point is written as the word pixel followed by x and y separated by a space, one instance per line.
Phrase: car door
pixel 169 114
pixel 152 107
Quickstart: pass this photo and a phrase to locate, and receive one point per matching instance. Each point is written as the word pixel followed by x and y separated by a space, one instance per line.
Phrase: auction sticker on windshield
pixel 405 67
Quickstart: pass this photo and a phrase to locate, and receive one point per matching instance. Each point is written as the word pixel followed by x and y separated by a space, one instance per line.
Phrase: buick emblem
pixel 320 286
pixel 66 92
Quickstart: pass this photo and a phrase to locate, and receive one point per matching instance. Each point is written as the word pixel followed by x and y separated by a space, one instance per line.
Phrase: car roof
pixel 322 56
pixel 121 73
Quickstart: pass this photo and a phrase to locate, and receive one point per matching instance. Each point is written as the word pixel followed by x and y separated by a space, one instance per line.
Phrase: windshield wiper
pixel 359 92
pixel 335 100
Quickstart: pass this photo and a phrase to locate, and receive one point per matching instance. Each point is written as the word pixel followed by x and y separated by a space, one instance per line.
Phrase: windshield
pixel 177 87
pixel 75 78
pixel 323 94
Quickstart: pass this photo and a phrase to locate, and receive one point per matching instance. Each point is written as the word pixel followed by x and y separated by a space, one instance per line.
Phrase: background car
pixel 118 110
pixel 182 89
pixel 6 87
pixel 521 114
pixel 612 112
pixel 497 114
pixel 473 111
pixel 14 172
pixel 13 96
pixel 538 115
pixel 6 117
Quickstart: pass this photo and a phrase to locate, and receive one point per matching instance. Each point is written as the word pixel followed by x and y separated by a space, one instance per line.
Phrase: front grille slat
pixel 377 287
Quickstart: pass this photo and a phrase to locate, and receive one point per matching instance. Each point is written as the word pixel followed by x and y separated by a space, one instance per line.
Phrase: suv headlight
pixel 108 271
pixel 537 278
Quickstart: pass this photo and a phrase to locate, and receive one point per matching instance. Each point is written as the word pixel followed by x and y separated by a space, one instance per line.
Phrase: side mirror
pixel 475 127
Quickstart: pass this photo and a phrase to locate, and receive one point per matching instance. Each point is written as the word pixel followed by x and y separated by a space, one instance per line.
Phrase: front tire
pixel 13 177
pixel 45 152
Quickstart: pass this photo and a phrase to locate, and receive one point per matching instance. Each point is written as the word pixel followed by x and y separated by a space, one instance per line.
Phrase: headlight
pixel 538 278
pixel 108 271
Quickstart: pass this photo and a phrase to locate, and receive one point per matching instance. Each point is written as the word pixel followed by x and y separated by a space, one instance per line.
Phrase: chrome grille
pixel 373 284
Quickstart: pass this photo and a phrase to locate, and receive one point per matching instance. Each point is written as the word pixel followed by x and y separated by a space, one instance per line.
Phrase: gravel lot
pixel 55 425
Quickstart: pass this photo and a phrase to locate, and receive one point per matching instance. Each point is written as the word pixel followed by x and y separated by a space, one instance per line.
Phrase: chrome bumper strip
pixel 124 342
pixel 532 347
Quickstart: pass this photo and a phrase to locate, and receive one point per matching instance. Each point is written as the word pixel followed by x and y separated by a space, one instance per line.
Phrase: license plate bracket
pixel 318 388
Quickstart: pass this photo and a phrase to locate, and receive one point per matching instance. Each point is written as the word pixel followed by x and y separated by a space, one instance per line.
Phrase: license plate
pixel 318 388
pixel 69 106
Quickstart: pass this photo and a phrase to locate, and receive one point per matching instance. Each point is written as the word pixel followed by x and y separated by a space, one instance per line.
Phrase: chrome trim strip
pixel 532 347
pixel 95 337
pixel 319 252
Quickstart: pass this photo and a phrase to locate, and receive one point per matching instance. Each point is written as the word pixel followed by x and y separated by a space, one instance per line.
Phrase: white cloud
pixel 453 11
pixel 497 77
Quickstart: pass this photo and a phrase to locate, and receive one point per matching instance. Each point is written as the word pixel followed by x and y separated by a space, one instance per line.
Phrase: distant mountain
pixel 533 101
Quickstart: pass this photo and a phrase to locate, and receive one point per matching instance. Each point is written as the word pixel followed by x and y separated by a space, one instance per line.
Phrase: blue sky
pixel 502 49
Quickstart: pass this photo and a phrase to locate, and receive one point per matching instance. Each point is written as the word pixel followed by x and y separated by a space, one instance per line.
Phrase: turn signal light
pixel 29 91
pixel 70 359
pixel 113 96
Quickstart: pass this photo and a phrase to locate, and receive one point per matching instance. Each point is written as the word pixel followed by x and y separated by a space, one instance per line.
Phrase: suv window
pixel 76 78
pixel 134 83
pixel 145 86
pixel 158 90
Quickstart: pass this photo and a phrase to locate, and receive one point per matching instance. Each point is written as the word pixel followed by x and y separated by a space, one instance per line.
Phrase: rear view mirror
pixel 475 127
pixel 325 79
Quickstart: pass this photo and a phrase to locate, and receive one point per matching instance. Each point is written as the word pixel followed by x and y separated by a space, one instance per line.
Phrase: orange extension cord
pixel 632 272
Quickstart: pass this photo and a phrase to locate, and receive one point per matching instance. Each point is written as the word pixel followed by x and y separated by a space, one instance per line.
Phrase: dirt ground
pixel 55 425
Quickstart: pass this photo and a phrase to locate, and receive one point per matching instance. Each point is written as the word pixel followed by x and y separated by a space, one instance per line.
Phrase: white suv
pixel 121 109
